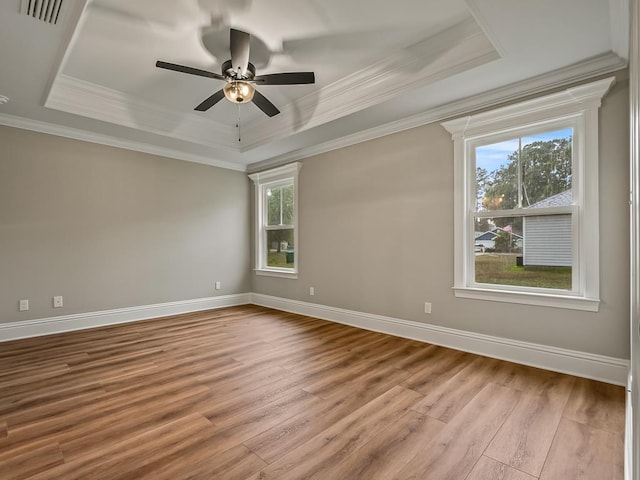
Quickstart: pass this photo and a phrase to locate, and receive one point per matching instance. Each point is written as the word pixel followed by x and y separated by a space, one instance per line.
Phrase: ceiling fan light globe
pixel 239 92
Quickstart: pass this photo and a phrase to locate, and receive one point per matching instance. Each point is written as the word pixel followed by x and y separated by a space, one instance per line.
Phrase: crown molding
pixel 451 51
pixel 83 135
pixel 566 102
pixel 79 97
pixel 588 69
pixel 579 72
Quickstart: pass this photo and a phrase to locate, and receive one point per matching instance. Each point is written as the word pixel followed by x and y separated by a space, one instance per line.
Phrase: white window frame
pixel 262 182
pixel 576 107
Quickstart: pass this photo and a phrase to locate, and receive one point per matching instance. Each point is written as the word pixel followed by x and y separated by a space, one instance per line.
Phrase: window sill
pixel 528 298
pixel 276 273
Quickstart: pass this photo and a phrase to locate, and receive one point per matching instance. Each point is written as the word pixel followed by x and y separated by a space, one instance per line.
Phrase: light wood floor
pixel 252 393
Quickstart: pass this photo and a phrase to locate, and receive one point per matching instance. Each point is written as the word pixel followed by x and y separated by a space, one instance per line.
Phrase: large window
pixel 276 221
pixel 526 202
pixel 524 211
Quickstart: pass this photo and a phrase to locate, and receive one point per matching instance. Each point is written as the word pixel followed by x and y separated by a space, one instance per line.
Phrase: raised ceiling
pixel 380 67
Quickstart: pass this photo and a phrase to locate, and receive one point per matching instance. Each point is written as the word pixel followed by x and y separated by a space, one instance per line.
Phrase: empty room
pixel 257 239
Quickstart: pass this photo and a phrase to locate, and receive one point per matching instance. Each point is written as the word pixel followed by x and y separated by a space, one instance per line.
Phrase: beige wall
pixel 376 235
pixel 109 228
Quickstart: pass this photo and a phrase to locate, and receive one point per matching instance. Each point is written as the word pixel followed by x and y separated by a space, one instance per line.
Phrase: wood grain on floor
pixel 249 393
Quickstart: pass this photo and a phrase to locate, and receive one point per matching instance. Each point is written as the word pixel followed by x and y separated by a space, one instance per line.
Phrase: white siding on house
pixel 547 241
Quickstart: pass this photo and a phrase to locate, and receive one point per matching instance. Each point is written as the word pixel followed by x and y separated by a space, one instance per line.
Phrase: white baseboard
pixel 81 321
pixel 582 364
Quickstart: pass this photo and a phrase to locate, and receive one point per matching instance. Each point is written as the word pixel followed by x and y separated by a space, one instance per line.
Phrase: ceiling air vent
pixel 45 10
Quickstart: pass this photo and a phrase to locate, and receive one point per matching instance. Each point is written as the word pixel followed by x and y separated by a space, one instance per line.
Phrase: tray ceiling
pixel 380 67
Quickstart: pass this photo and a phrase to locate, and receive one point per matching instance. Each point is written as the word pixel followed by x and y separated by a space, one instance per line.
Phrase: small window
pixel 276 218
pixel 279 228
pixel 526 201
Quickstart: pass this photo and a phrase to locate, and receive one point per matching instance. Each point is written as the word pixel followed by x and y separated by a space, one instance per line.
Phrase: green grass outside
pixel 501 269
pixel 278 259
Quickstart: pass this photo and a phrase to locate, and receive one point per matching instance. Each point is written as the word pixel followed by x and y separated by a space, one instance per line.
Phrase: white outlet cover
pixel 24 305
pixel 57 301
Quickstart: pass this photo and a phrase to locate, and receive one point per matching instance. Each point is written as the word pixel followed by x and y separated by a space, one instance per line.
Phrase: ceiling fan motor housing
pixel 231 74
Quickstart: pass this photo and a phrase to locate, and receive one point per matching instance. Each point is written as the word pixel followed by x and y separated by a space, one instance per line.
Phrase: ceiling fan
pixel 240 76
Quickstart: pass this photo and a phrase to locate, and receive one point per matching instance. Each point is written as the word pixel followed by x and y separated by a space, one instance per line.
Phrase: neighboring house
pixel 547 239
pixel 487 239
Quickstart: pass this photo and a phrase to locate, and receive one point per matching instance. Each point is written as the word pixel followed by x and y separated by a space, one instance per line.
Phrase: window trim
pixel 576 107
pixel 263 180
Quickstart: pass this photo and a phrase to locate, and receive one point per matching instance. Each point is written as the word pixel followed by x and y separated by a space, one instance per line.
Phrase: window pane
pixel 280 248
pixel 273 205
pixel 524 171
pixel 287 205
pixel 546 169
pixel 280 205
pixel 531 251
pixel 496 176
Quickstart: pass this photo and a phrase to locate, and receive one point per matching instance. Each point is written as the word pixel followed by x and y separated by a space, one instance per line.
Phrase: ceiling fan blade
pixel 294 78
pixel 239 50
pixel 215 38
pixel 211 101
pixel 265 105
pixel 189 70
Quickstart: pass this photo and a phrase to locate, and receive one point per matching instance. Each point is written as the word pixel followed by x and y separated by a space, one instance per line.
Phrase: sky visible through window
pixel 492 157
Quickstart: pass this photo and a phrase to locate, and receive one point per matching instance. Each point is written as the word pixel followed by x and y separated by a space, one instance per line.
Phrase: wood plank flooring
pixel 249 393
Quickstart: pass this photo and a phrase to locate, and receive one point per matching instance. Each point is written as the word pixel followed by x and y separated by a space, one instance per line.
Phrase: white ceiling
pixel 380 67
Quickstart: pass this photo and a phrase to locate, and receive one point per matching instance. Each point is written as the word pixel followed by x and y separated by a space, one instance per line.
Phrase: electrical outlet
pixel 312 291
pixel 218 285
pixel 57 301
pixel 427 308
pixel 24 305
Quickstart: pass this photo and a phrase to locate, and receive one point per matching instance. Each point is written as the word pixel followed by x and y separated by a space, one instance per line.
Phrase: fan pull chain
pixel 238 124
